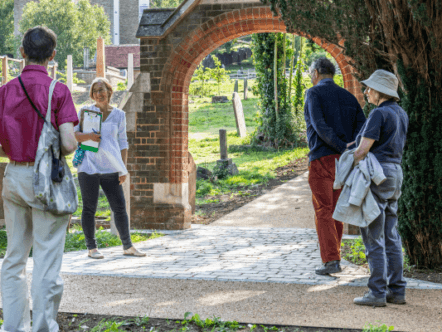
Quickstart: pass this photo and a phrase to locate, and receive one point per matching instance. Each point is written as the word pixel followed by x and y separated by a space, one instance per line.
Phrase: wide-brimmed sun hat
pixel 383 81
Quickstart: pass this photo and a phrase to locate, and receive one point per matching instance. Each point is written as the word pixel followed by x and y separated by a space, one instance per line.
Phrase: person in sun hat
pixel 334 118
pixel 384 135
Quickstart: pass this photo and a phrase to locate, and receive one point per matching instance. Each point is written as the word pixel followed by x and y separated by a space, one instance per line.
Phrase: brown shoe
pixel 132 251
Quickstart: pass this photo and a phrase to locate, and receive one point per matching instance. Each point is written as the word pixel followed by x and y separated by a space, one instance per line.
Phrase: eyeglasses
pixel 99 91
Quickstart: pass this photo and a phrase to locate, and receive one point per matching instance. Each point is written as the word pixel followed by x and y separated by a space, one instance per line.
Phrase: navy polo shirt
pixel 388 126
pixel 333 117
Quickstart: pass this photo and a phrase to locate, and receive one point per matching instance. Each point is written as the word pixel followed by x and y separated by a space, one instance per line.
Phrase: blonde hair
pixel 106 83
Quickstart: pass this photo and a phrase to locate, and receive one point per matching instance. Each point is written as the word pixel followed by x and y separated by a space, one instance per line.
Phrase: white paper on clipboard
pixel 91 122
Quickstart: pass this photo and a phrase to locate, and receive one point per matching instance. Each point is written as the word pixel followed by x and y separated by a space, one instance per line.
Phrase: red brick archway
pixel 202 41
pixel 159 188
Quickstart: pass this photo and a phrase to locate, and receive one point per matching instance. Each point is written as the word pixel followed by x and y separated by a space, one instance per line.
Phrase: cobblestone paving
pixel 282 255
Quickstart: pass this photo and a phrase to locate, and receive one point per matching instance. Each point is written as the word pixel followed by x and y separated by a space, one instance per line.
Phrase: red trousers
pixel 321 177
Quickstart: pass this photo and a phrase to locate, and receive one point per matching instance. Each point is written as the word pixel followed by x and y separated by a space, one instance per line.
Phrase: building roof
pixel 116 55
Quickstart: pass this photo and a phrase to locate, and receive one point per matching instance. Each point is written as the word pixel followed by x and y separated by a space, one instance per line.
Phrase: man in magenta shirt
pixel 27 224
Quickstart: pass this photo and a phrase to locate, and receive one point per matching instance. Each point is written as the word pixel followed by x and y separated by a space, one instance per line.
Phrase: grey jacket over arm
pixel 356 204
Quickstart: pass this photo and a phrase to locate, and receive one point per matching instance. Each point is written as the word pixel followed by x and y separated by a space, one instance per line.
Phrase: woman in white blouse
pixel 105 168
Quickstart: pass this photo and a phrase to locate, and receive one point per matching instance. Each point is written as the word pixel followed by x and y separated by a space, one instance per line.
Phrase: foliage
pixel 165 3
pixel 122 86
pixel 382 34
pixel 357 254
pixel 275 119
pixel 420 207
pixel 377 328
pixel 62 77
pixel 219 74
pixel 76 25
pixel 6 26
pixel 201 76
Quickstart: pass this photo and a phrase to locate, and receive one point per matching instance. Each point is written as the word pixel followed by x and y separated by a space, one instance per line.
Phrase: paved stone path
pixel 282 255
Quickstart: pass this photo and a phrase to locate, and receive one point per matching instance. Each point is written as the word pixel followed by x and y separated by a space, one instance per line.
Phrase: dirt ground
pixel 208 213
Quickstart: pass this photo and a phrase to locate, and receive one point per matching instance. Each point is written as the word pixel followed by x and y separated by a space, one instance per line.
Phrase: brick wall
pixel 116 56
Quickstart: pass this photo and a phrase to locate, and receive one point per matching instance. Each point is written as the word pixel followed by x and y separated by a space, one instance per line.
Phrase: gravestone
pixel 219 99
pixel 236 89
pixel 245 88
pixel 239 115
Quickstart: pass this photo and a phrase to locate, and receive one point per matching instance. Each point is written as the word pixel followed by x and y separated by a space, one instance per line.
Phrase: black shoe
pixel 394 298
pixel 329 267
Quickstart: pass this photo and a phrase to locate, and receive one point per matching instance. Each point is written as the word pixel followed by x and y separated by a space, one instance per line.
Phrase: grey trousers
pixel 382 241
pixel 27 226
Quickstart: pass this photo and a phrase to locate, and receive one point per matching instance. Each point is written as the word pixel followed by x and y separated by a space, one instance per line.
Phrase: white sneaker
pixel 94 253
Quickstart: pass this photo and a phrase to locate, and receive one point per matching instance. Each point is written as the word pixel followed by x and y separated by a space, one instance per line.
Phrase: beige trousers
pixel 28 225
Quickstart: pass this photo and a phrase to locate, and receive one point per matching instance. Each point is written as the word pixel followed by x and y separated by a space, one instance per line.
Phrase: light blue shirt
pixel 113 140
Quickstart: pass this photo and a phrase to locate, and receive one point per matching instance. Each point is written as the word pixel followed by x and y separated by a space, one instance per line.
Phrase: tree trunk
pixel 275 74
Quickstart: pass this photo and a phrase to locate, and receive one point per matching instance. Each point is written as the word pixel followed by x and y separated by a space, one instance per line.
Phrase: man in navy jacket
pixel 334 118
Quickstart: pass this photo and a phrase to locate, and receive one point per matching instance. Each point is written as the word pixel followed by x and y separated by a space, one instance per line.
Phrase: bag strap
pixel 26 92
pixel 51 91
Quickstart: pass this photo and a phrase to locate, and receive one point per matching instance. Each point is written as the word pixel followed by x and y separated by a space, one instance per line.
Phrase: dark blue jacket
pixel 333 117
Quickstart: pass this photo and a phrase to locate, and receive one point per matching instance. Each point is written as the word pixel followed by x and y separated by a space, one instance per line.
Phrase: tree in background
pixel 6 26
pixel 201 75
pixel 404 37
pixel 219 74
pixel 76 25
pixel 165 3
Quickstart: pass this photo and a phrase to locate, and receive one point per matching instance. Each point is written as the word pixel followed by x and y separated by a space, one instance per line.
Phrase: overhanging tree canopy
pixel 403 36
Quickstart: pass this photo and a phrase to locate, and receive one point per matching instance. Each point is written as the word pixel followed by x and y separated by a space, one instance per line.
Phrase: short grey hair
pixel 324 67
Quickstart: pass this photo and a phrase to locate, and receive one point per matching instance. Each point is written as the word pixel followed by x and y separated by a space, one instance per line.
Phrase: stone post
pixel 5 69
pixel 236 89
pixel 223 143
pixel 69 74
pixel 126 191
pixel 86 58
pixel 245 88
pixel 130 71
pixel 101 58
pixel 225 161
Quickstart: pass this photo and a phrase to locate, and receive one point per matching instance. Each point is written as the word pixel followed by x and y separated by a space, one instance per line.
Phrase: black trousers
pixel 110 183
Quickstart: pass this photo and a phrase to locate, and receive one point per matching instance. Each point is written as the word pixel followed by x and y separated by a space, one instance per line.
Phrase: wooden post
pixel 130 71
pixel 22 65
pixel 101 59
pixel 69 75
pixel 54 71
pixel 5 69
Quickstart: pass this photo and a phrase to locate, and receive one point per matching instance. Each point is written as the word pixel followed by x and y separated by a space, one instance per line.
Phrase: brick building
pixel 124 16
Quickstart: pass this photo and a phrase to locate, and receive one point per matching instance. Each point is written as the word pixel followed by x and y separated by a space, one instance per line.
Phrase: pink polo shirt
pixel 20 125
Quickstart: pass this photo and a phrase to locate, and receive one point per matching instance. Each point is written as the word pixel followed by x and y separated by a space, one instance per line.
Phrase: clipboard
pixel 90 121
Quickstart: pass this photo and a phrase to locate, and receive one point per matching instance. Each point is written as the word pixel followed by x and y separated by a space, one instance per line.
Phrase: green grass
pixel 75 239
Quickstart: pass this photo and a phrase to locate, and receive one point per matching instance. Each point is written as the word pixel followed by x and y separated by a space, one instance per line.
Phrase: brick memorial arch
pixel 173 43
